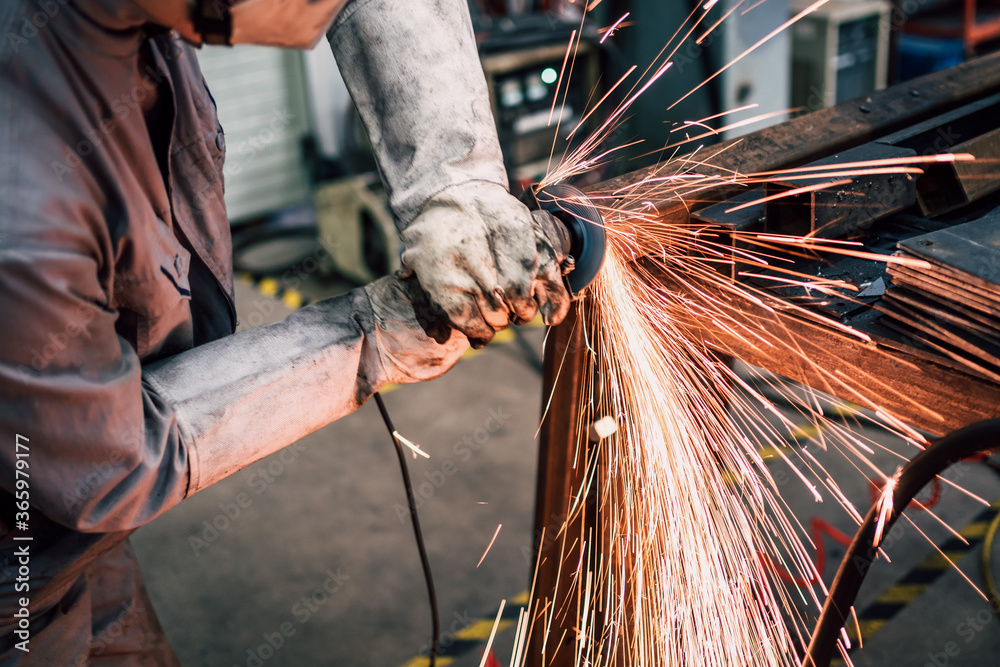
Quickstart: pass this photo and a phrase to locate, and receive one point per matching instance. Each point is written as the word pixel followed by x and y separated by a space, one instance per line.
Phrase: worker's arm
pixel 413 71
pixel 243 397
pixel 112 445
pixel 90 273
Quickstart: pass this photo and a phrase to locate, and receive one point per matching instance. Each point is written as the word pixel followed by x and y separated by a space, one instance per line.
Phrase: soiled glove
pixel 477 251
pixel 414 342
pixel 413 71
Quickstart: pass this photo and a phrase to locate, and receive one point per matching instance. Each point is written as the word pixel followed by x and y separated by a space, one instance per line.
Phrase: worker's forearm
pixel 246 396
pixel 414 73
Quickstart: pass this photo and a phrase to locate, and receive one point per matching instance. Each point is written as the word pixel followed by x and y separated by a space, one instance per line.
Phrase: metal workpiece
pixel 816 135
pixel 727 215
pixel 724 219
pixel 896 373
pixel 950 185
pixel 843 207
pixel 559 533
pixel 970 129
pixel 952 305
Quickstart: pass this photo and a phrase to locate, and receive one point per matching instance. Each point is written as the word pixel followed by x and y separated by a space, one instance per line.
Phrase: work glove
pixel 414 342
pixel 413 71
pixel 245 396
pixel 484 261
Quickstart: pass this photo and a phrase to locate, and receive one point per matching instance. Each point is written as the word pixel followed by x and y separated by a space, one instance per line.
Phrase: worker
pixel 123 389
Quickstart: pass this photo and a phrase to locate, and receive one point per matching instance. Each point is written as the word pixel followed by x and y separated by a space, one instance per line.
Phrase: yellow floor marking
pixel 770 453
pixel 937 561
pixel 424 661
pixel 868 627
pixel 292 299
pixel 504 336
pixel 268 286
pixel 902 593
pixel 975 530
pixel 481 629
pixel 804 432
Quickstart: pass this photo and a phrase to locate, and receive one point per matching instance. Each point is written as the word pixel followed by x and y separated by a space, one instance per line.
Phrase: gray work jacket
pixel 107 262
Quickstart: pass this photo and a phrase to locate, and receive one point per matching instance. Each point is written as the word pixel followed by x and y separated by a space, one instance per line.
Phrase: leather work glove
pixel 414 73
pixel 414 343
pixel 476 250
pixel 245 396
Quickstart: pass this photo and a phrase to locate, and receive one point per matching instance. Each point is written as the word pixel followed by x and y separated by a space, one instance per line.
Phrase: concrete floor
pixel 325 520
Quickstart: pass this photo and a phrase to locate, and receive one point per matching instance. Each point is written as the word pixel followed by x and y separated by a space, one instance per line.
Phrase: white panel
pixel 330 103
pixel 762 77
pixel 261 97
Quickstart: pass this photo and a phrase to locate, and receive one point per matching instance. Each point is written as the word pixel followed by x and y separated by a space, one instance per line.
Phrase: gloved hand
pixel 483 262
pixel 414 73
pixel 414 342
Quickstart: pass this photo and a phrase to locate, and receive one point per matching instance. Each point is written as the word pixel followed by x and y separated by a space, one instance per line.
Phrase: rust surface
pixel 558 537
pixel 820 133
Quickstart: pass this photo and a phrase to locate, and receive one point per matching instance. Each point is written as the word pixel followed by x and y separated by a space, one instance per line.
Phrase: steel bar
pixel 820 133
pixel 558 536
pixel 927 395
pixel 841 209
pixel 720 220
pixel 981 177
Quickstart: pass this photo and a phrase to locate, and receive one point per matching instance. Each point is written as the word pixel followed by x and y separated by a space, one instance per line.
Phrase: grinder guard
pixel 586 229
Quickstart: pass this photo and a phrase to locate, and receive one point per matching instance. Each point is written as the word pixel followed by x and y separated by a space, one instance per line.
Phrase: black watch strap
pixel 213 20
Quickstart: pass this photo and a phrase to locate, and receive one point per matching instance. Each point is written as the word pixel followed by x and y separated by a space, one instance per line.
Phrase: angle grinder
pixel 578 224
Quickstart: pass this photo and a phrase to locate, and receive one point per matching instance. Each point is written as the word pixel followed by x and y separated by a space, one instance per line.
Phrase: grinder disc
pixel 586 228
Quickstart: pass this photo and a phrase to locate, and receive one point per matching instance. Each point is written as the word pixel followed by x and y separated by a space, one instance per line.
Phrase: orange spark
pixel 490 545
pixel 608 31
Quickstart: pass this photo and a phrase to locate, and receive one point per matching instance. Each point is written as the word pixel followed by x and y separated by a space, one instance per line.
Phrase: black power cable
pixel 924 467
pixel 428 577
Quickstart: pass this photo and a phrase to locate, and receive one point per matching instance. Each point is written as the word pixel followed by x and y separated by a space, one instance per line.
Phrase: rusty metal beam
pixel 558 537
pixel 820 133
pixel 839 210
pixel 927 395
pixel 954 184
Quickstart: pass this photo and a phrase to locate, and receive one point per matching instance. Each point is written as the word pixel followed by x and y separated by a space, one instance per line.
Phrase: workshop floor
pixel 308 558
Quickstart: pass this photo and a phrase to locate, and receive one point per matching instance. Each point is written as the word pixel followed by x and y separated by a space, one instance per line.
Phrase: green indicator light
pixel 549 75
